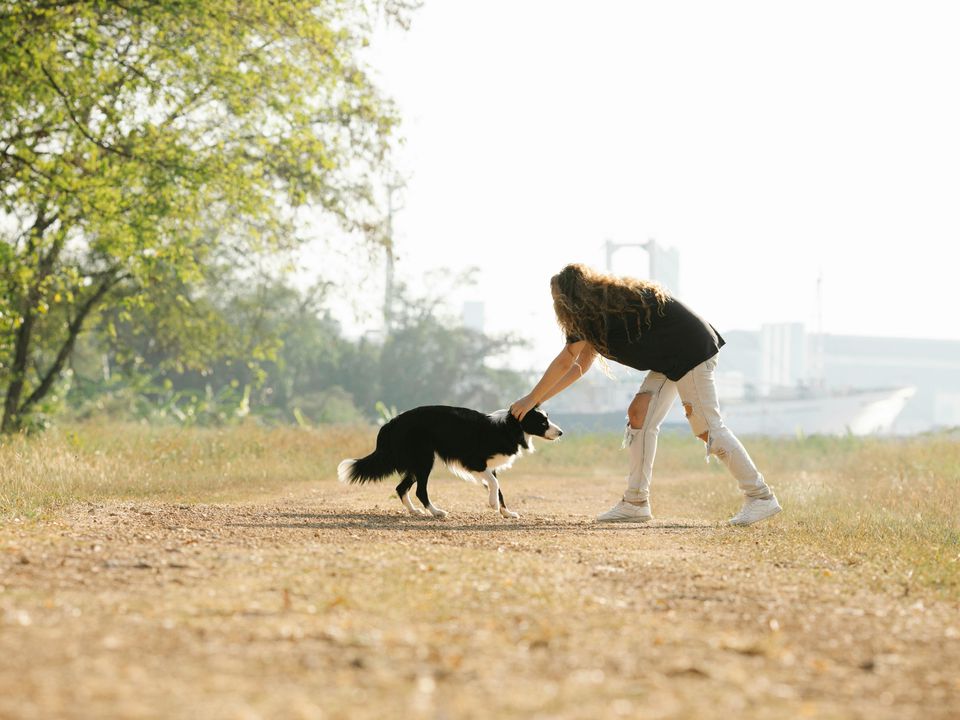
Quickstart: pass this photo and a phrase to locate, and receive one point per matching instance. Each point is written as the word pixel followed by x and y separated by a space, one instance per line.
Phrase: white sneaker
pixel 755 510
pixel 624 511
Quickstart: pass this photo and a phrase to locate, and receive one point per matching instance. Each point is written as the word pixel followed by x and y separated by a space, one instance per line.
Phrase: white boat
pixel 856 412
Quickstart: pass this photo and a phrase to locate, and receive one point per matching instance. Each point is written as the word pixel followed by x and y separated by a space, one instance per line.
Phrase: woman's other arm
pixel 565 369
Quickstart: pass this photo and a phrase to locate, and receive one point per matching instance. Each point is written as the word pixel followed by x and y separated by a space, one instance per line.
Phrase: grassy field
pixel 157 573
pixel 893 504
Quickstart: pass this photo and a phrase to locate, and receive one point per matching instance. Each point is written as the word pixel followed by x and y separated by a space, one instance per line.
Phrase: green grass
pixel 891 506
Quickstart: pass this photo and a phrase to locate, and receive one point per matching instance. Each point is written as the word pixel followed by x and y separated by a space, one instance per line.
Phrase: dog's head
pixel 537 423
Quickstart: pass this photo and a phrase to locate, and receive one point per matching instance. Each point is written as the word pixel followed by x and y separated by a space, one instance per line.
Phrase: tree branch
pixel 73 330
pixel 85 131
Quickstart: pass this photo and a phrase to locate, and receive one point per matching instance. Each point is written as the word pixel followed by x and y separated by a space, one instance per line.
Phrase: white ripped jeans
pixel 698 393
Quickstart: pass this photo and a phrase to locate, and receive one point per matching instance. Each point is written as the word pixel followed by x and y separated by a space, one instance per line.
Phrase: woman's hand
pixel 522 406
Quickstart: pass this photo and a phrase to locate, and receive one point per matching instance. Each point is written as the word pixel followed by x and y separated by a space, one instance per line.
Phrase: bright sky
pixel 768 142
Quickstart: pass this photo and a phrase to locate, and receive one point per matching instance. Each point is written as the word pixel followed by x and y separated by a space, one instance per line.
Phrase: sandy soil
pixel 329 602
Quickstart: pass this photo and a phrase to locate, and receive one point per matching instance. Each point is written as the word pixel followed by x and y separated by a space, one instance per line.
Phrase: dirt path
pixel 333 604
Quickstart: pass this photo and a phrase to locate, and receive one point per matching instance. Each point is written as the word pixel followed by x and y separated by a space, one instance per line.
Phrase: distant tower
pixel 388 288
pixel 818 351
pixel 664 266
pixel 388 248
pixel 474 315
pixel 664 262
pixel 783 356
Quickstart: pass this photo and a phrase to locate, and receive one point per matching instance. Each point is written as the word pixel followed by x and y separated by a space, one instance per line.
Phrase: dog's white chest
pixel 500 461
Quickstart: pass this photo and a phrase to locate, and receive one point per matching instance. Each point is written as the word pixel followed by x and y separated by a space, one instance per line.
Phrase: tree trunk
pixel 21 353
pixel 18 373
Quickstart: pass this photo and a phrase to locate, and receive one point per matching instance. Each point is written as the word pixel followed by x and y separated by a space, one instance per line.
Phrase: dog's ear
pixel 517 432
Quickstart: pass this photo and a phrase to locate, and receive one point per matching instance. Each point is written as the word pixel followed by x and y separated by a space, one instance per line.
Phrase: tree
pixel 276 356
pixel 429 359
pixel 139 141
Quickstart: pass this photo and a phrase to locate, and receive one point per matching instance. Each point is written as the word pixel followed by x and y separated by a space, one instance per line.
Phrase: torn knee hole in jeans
pixel 637 412
pixel 629 434
pixel 718 450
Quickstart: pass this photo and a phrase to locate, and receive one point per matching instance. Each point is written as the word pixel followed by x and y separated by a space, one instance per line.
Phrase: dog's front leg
pixel 493 488
pixel 496 497
pixel 503 509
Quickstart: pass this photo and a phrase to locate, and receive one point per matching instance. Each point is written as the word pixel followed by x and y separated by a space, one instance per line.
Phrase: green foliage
pixel 141 143
pixel 385 414
pixel 281 358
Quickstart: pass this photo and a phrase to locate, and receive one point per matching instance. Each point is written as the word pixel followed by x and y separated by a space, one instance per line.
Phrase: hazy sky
pixel 768 141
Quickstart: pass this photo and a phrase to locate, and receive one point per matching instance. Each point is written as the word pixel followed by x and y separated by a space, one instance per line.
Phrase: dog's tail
pixel 375 466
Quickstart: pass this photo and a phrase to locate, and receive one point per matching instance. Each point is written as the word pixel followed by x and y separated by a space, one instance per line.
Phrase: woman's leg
pixel 644 417
pixel 698 393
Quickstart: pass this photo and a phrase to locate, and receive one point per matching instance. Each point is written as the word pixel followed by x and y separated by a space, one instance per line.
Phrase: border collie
pixel 473 446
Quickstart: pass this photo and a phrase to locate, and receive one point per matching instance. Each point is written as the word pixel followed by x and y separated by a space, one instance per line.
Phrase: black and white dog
pixel 473 446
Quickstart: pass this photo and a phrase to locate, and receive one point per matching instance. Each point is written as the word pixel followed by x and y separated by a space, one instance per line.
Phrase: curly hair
pixel 585 300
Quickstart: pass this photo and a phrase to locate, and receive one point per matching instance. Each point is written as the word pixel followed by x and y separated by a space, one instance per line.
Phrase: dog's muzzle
pixel 553 432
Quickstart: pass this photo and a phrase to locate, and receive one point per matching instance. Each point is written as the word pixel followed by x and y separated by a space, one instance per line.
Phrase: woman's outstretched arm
pixel 584 360
pixel 565 369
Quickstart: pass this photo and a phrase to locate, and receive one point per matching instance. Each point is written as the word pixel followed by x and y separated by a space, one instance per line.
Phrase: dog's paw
pixel 438 513
pixel 509 513
pixel 416 512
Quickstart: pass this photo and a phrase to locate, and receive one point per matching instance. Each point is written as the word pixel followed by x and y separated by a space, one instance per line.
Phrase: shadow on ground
pixel 338 520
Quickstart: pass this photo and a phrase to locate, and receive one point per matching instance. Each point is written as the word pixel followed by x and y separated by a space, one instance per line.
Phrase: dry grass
pixel 127 461
pixel 890 505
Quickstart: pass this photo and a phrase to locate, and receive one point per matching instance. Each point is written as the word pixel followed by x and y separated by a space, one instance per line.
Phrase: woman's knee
pixel 637 412
pixel 723 442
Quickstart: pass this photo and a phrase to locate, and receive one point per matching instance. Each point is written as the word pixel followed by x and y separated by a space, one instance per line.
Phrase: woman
pixel 638 324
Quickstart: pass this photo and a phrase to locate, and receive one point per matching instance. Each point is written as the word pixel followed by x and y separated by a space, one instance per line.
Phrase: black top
pixel 674 344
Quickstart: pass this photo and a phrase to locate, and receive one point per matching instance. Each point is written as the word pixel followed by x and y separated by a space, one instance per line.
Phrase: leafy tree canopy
pixel 141 140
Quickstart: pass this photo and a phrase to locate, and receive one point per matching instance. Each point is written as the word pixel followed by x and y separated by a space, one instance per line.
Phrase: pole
pixel 388 249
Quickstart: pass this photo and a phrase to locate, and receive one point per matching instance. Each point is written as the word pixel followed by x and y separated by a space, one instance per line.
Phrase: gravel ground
pixel 329 602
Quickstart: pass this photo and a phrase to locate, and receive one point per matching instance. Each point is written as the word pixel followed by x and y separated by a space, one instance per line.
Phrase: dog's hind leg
pixel 425 499
pixel 422 473
pixel 403 490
